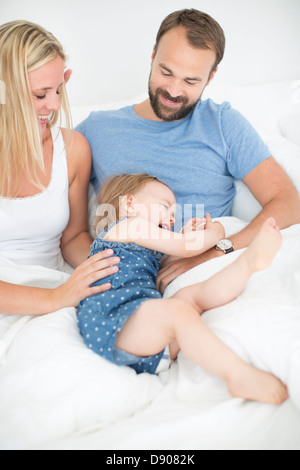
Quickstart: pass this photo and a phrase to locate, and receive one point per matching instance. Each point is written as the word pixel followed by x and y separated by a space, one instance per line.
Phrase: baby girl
pixel 132 324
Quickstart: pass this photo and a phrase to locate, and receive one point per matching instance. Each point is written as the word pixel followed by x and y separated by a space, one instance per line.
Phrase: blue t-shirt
pixel 198 158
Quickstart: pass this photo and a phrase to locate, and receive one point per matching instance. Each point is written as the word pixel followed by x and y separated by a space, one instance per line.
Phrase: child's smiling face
pixel 156 203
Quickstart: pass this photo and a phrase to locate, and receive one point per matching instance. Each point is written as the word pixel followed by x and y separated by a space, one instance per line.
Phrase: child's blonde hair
pixel 24 47
pixel 117 187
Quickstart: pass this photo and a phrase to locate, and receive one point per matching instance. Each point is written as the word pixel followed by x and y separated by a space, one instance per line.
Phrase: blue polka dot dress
pixel 102 316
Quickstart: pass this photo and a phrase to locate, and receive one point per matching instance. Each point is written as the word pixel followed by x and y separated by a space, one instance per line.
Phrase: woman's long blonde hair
pixel 114 189
pixel 24 47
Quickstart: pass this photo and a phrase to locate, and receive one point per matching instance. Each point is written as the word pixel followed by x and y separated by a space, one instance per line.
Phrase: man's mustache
pixel 178 99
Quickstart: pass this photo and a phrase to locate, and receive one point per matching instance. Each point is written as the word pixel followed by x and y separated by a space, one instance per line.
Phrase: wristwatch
pixel 225 245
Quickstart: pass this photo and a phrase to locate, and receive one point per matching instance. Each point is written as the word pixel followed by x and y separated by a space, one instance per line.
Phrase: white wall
pixel 109 42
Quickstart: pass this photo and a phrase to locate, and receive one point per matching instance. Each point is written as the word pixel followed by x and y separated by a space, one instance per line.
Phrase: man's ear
pixel 153 53
pixel 212 75
pixel 67 75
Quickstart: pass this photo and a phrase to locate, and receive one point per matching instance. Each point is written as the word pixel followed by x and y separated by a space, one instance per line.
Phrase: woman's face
pixel 45 83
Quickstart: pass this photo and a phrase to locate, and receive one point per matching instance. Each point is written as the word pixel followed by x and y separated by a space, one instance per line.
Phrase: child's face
pixel 156 203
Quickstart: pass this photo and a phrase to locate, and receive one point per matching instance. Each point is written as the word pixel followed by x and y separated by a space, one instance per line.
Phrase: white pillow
pixel 263 104
pixel 80 113
pixel 287 154
pixel 290 127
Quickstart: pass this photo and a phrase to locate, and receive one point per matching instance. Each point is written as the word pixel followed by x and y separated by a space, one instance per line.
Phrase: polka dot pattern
pixel 102 316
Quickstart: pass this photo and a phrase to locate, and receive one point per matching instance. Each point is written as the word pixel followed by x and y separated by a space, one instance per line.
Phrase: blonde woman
pixel 44 175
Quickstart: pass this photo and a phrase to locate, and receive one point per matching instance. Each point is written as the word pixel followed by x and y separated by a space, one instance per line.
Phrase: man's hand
pixel 172 270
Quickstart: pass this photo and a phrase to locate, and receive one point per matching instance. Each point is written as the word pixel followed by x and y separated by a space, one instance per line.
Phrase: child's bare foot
pixel 256 385
pixel 264 247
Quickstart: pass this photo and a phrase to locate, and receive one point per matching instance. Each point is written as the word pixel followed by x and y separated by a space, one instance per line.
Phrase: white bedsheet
pixel 55 393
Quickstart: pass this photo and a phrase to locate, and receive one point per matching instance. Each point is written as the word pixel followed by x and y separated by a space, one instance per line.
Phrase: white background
pixel 109 42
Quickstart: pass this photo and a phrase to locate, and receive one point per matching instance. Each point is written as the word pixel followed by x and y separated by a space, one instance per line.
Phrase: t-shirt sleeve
pixel 83 128
pixel 245 148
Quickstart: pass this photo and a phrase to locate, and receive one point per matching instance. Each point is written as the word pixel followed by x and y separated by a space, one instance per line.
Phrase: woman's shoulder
pixel 74 141
pixel 78 153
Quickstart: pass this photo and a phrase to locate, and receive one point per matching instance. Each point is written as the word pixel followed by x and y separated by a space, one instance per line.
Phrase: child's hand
pixel 217 226
pixel 193 225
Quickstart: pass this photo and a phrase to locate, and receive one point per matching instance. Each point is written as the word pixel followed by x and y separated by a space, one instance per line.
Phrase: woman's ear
pixel 67 75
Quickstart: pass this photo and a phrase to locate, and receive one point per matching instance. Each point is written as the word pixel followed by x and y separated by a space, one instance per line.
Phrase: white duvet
pixel 55 393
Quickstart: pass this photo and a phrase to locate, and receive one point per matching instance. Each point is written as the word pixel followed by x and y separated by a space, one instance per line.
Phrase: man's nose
pixel 174 89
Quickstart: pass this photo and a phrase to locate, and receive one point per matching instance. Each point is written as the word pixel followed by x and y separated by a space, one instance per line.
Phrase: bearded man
pixel 198 148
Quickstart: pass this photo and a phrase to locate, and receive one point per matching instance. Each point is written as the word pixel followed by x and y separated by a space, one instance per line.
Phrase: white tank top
pixel 31 227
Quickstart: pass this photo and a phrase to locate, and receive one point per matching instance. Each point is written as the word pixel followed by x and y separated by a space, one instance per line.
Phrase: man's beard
pixel 165 113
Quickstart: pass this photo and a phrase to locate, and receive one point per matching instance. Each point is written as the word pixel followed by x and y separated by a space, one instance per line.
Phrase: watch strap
pixel 229 250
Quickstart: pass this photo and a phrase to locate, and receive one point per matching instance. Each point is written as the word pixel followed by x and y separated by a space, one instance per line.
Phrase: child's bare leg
pixel 159 322
pixel 226 285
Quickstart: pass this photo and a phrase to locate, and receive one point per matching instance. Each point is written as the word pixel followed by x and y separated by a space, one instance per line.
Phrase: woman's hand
pixel 77 287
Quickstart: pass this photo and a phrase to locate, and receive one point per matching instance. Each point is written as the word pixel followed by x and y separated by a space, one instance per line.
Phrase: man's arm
pixel 275 192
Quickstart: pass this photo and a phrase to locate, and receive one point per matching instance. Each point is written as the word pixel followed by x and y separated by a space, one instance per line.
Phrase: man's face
pixel 179 75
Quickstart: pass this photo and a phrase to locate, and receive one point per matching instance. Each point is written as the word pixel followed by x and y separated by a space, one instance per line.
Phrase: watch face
pixel 224 245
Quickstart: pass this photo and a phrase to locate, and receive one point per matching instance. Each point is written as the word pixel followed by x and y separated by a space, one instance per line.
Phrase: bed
pixel 57 394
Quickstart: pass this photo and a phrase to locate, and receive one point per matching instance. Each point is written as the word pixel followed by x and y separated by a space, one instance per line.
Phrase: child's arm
pixel 183 245
pixel 196 224
pixel 192 225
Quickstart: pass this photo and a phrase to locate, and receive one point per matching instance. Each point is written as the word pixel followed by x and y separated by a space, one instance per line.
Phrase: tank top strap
pixel 59 147
pixel 102 234
pixel 57 138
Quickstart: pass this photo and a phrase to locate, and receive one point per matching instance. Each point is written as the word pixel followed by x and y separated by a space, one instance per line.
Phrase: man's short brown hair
pixel 203 32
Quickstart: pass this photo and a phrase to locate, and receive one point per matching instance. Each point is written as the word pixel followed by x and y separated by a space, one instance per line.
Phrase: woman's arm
pixel 183 245
pixel 21 300
pixel 76 239
pixel 75 245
